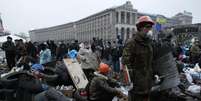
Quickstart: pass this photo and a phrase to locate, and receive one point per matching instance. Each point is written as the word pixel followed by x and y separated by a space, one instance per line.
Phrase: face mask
pixel 149 34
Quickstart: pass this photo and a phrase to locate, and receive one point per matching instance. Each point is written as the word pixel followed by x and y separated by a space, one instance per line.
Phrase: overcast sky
pixel 24 15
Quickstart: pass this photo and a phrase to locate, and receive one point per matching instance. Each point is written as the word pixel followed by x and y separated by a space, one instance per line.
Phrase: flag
pixel 161 20
pixel 1 25
pixel 158 26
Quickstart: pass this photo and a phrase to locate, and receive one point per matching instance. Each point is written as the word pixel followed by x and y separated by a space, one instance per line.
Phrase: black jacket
pixel 9 47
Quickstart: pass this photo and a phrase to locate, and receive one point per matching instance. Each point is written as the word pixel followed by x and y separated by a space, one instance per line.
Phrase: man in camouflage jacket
pixel 137 56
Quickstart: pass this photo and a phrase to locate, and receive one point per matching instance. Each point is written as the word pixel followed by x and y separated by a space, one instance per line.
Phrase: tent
pixel 4 38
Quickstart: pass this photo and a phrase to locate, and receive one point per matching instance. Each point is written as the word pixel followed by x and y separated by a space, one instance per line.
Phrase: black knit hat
pixel 9 37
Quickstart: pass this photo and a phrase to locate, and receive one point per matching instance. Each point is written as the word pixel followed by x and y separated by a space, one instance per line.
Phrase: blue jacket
pixel 45 56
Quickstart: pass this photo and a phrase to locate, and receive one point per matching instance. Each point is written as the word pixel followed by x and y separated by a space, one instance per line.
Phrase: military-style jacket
pixel 195 51
pixel 9 47
pixel 138 56
pixel 100 90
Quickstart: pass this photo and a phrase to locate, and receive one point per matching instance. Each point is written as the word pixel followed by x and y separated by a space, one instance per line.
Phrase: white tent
pixel 4 38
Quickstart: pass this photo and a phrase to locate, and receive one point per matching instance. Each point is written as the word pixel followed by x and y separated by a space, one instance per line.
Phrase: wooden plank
pixel 76 73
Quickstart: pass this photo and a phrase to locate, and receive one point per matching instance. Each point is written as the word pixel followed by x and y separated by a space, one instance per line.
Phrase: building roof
pixel 57 27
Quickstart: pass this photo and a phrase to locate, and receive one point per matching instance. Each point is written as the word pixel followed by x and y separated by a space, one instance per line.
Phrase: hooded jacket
pixel 100 90
pixel 88 59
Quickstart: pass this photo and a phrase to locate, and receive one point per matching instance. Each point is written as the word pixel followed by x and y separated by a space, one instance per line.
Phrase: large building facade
pixel 106 25
pixel 184 18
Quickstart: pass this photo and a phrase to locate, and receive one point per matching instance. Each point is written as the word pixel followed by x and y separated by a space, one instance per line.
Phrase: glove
pixel 45 87
pixel 157 79
pixel 120 94
pixel 123 99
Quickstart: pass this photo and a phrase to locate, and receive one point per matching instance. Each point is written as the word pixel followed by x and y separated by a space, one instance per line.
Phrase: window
pixel 133 31
pixel 122 33
pixel 122 17
pixel 117 17
pixel 127 33
pixel 117 31
pixel 128 18
pixel 133 18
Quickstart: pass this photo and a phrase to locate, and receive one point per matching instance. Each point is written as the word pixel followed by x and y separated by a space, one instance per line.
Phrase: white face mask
pixel 149 34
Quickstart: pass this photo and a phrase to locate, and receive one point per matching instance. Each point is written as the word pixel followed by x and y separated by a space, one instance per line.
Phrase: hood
pixel 100 75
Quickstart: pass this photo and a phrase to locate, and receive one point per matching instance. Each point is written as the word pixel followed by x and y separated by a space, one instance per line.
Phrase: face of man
pixel 197 43
pixel 87 47
pixel 9 40
pixel 147 31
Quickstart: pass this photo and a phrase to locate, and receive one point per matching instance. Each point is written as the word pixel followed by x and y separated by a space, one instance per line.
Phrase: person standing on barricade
pixel 138 57
pixel 10 51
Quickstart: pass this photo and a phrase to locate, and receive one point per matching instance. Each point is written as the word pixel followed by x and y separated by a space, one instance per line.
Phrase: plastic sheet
pixel 194 89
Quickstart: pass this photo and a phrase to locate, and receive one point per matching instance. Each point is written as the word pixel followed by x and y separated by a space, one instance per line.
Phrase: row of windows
pixel 93 24
pixel 94 18
pixel 125 32
pixel 103 28
pixel 125 17
pixel 63 34
pixel 54 36
pixel 68 36
pixel 85 35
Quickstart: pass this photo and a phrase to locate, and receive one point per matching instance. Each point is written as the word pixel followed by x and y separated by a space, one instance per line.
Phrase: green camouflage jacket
pixel 138 56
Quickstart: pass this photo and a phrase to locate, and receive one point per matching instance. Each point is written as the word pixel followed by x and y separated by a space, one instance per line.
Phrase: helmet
pixel 37 67
pixel 144 19
pixel 103 68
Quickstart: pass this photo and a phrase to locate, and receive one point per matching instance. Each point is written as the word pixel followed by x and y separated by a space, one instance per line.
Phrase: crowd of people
pixel 42 53
pixel 90 56
pixel 45 52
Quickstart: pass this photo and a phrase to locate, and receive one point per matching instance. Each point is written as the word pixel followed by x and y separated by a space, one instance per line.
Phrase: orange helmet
pixel 103 68
pixel 144 19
